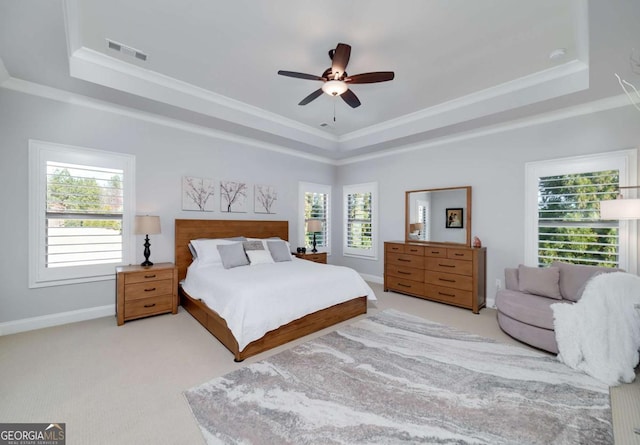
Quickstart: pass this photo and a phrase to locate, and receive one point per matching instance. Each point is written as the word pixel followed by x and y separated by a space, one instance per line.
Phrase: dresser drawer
pixel 446 265
pixel 437 252
pixel 448 295
pixel 460 254
pixel 462 282
pixel 407 273
pixel 411 249
pixel 147 306
pixel 400 259
pixel 402 285
pixel 145 290
pixel 150 275
pixel 394 248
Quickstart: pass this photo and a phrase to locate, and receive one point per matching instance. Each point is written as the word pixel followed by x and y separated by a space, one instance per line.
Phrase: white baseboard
pixel 372 278
pixel 46 321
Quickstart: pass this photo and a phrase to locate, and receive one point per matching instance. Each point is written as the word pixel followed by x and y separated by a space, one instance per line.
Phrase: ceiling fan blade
pixel 299 75
pixel 340 58
pixel 351 99
pixel 378 76
pixel 317 93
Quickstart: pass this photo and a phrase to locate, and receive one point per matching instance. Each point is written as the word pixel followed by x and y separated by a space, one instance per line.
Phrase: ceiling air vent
pixel 124 49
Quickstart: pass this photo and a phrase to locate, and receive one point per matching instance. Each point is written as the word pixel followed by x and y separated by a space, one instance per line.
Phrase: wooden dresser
pixel 144 291
pixel 449 274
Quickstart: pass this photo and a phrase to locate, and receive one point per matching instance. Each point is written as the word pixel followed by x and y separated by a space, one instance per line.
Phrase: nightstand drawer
pixel 148 275
pixel 147 306
pixel 316 258
pixel 146 290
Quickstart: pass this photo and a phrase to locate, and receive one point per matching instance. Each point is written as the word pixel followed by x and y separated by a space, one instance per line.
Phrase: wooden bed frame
pixel 188 229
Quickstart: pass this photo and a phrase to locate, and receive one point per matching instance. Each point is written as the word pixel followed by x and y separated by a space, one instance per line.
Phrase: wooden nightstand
pixel 144 291
pixel 320 257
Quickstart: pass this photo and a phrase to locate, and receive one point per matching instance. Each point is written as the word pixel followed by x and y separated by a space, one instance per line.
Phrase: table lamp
pixel 314 226
pixel 147 225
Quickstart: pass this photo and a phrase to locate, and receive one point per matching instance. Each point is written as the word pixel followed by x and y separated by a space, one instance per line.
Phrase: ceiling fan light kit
pixel 336 80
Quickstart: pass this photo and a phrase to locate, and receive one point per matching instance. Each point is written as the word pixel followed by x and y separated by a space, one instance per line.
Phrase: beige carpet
pixel 124 385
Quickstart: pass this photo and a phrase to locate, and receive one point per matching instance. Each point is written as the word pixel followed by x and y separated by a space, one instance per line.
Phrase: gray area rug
pixel 395 378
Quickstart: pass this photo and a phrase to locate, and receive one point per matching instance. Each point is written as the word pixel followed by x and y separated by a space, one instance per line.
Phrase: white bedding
pixel 254 300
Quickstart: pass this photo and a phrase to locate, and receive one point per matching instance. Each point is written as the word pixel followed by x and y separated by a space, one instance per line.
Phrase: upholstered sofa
pixel 524 305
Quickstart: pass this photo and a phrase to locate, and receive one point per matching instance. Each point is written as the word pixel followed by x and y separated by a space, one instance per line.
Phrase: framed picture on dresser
pixel 453 218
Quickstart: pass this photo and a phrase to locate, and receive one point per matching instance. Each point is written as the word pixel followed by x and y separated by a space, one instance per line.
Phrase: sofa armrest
pixel 511 278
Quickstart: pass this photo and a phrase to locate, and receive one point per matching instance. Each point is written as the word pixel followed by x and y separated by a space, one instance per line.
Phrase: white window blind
pixel 81 206
pixel 359 220
pixel 316 204
pixel 569 225
pixel 562 211
pixel 84 215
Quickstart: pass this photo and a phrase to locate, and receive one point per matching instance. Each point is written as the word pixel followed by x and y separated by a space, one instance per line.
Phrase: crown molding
pixel 605 104
pixel 96 67
pixel 564 79
pixel 59 95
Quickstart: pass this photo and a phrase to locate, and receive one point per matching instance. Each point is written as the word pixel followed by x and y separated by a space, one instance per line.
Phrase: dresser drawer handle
pixel 413 250
pixel 150 276
pixel 150 289
pixel 459 254
pixel 150 305
pixel 404 273
pixel 403 260
pixel 404 285
pixel 446 295
pixel 448 281
pixel 395 248
pixel 446 265
pixel 435 252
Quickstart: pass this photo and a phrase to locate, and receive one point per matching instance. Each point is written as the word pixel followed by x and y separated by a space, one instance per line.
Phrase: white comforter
pixel 600 334
pixel 257 299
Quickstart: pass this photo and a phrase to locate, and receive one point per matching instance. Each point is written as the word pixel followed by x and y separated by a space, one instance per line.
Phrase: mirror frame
pixel 467 217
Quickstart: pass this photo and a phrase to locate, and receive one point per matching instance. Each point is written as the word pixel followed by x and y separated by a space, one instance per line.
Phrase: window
pixel 563 211
pixel 315 204
pixel 81 205
pixel 360 213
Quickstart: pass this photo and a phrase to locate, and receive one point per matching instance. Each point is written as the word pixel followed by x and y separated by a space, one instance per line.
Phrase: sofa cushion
pixel 539 281
pixel 573 278
pixel 527 308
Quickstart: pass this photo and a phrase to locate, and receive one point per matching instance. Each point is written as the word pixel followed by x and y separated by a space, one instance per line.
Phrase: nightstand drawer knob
pixel 150 290
pixel 150 276
pixel 150 305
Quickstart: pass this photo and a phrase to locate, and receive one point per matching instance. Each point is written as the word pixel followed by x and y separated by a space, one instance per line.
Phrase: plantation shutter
pixel 84 213
pixel 569 225
pixel 359 220
pixel 316 207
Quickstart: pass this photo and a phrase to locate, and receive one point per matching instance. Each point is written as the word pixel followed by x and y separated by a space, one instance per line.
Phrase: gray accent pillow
pixel 543 281
pixel 233 255
pixel 279 251
pixel 194 253
pixel 253 245
pixel 574 277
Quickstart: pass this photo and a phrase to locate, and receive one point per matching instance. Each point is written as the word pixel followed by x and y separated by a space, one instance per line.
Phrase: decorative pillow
pixel 543 281
pixel 206 249
pixel 279 251
pixel 574 277
pixel 253 245
pixel 232 255
pixel 259 257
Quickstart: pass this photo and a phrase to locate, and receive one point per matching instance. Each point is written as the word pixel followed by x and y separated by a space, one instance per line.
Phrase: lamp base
pixel 147 253
pixel 314 250
pixel 146 263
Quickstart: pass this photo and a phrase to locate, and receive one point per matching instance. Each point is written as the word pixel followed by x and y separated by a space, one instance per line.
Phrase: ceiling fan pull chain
pixel 334 109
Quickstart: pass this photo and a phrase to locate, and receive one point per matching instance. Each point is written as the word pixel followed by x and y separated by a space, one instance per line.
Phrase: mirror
pixel 438 215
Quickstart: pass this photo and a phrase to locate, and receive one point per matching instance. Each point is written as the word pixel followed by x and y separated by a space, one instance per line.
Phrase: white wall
pixel 163 156
pixel 494 166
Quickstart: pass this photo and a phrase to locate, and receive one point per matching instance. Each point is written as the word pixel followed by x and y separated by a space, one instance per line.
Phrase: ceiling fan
pixel 336 80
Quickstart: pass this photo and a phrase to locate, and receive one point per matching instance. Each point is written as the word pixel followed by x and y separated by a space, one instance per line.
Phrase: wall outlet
pixel 498 284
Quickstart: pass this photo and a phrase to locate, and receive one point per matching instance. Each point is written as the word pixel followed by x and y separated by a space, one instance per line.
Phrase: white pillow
pixel 207 249
pixel 259 257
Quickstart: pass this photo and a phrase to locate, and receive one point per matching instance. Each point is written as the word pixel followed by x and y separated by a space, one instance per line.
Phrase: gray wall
pixel 494 166
pixel 163 156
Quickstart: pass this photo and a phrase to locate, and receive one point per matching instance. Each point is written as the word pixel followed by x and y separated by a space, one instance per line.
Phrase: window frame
pixel 368 187
pixel 625 161
pixel 40 152
pixel 303 189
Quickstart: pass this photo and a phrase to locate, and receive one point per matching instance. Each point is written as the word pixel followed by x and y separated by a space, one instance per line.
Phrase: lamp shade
pixel 147 225
pixel 334 87
pixel 620 209
pixel 314 225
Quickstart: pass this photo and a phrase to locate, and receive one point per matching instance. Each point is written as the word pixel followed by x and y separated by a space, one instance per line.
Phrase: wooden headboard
pixel 188 229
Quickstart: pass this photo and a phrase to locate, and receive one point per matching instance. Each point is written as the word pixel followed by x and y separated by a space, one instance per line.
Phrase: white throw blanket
pixel 600 334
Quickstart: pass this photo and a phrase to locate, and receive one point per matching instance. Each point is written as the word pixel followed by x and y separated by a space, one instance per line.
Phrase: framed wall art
pixel 454 218
pixel 265 199
pixel 233 196
pixel 197 194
